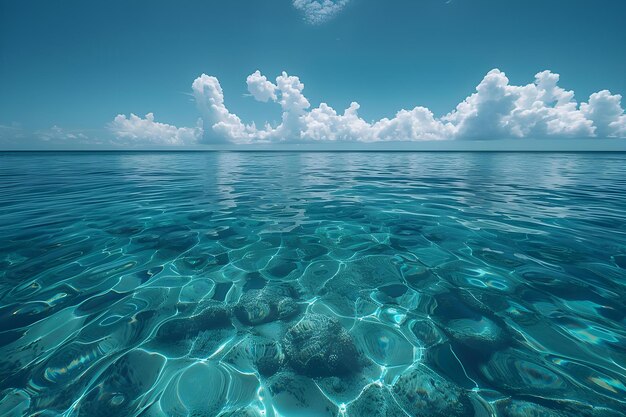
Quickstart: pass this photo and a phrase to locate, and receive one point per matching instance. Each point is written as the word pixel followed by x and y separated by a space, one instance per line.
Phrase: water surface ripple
pixel 312 284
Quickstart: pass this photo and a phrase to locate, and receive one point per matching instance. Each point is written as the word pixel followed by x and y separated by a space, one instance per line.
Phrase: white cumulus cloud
pixel 605 111
pixel 496 110
pixel 147 131
pixel 260 88
pixel 287 92
pixel 319 11
pixel 500 110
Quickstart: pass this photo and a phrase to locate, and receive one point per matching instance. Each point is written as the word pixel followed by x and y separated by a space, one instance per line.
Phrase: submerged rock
pixel 266 305
pixel 197 336
pixel 295 395
pixel 214 316
pixel 265 355
pixel 346 388
pixel 268 356
pixel 375 401
pixel 319 346
pixel 424 393
pixel 256 353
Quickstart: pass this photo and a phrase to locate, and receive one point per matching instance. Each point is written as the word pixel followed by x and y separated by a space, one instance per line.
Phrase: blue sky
pixel 68 68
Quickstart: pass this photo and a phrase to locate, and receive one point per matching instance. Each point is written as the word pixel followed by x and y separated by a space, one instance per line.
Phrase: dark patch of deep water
pixel 313 284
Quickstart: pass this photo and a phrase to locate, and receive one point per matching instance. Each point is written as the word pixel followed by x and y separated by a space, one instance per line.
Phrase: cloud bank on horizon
pixel 147 130
pixel 496 110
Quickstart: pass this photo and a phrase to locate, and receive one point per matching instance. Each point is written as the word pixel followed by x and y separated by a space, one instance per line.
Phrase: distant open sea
pixel 267 284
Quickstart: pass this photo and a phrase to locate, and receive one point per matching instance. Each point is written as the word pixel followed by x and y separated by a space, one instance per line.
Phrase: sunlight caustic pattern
pixel 496 110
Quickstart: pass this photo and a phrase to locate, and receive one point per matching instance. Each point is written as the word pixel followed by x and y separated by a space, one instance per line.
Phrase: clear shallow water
pixel 313 284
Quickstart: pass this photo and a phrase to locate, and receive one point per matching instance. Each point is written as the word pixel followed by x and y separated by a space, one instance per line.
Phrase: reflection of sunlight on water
pixel 486 279
pixel 227 173
pixel 610 384
pixel 590 333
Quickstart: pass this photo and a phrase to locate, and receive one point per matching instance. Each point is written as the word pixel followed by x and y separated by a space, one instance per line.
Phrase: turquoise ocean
pixel 269 284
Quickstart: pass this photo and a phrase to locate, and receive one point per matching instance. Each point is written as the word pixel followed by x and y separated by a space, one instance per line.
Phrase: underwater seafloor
pixel 312 284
